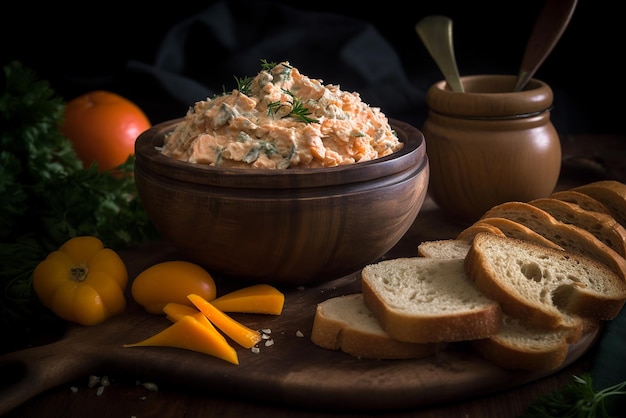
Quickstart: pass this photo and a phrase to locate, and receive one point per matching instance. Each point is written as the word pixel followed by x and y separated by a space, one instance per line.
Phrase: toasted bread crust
pixel 570 237
pixel 610 193
pixel 586 202
pixel 517 230
pixel 468 233
pixel 602 225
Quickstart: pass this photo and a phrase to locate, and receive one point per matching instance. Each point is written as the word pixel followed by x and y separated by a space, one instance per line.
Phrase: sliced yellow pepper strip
pixel 240 333
pixel 175 311
pixel 260 298
pixel 191 334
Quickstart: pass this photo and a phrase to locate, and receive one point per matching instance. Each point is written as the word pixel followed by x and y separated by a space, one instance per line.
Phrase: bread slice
pixel 543 286
pixel 468 233
pixel 602 225
pixel 584 201
pixel 570 237
pixel 517 230
pixel 523 347
pixel 422 300
pixel 519 346
pixel 345 323
pixel 610 193
pixel 444 248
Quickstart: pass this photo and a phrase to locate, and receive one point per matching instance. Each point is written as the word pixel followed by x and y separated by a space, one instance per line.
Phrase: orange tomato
pixel 103 127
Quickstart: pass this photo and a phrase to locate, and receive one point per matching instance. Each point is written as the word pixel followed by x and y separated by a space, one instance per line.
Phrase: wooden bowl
pixel 283 227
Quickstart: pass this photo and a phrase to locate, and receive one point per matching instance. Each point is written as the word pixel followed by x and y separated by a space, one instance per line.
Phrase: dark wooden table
pixel 586 158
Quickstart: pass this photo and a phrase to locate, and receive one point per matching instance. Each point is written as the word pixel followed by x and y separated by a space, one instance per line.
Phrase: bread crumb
pixel 151 386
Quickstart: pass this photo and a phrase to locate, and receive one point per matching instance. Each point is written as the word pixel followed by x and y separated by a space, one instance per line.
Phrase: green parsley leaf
pixel 49 198
pixel 577 399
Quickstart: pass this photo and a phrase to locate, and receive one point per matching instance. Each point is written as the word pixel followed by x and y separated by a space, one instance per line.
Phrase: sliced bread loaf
pixel 610 193
pixel 345 323
pixel 602 225
pixel 517 230
pixel 543 286
pixel 584 201
pixel 422 300
pixel 445 248
pixel 569 237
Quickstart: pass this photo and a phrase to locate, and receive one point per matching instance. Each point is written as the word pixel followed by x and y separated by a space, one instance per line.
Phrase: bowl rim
pixel 149 159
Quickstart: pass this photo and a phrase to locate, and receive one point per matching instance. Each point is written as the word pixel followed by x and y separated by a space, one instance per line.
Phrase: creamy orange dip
pixel 282 119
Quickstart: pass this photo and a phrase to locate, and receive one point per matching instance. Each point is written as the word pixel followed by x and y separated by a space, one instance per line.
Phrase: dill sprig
pixel 267 65
pixel 297 109
pixel 243 85
pixel 577 399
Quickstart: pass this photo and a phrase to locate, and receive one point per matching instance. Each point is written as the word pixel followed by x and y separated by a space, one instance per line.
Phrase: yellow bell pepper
pixel 240 333
pixel 192 332
pixel 257 298
pixel 82 281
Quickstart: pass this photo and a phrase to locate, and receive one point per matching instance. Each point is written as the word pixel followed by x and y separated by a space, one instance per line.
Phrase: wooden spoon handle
pixel 436 34
pixel 549 27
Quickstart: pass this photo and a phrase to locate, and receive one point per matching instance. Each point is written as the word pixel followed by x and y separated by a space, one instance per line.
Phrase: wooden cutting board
pixel 292 371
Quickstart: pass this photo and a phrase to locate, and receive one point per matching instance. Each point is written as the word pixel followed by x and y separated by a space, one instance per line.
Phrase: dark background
pixel 81 49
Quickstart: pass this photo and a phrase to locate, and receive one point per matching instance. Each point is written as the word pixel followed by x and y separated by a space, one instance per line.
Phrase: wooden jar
pixel 490 145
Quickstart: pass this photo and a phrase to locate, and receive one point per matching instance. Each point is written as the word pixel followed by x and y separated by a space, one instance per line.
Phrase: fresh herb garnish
pixel 296 109
pixel 243 85
pixel 577 399
pixel 47 197
pixel 267 65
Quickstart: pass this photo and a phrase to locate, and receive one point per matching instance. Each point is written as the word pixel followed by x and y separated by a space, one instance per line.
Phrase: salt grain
pixel 93 381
